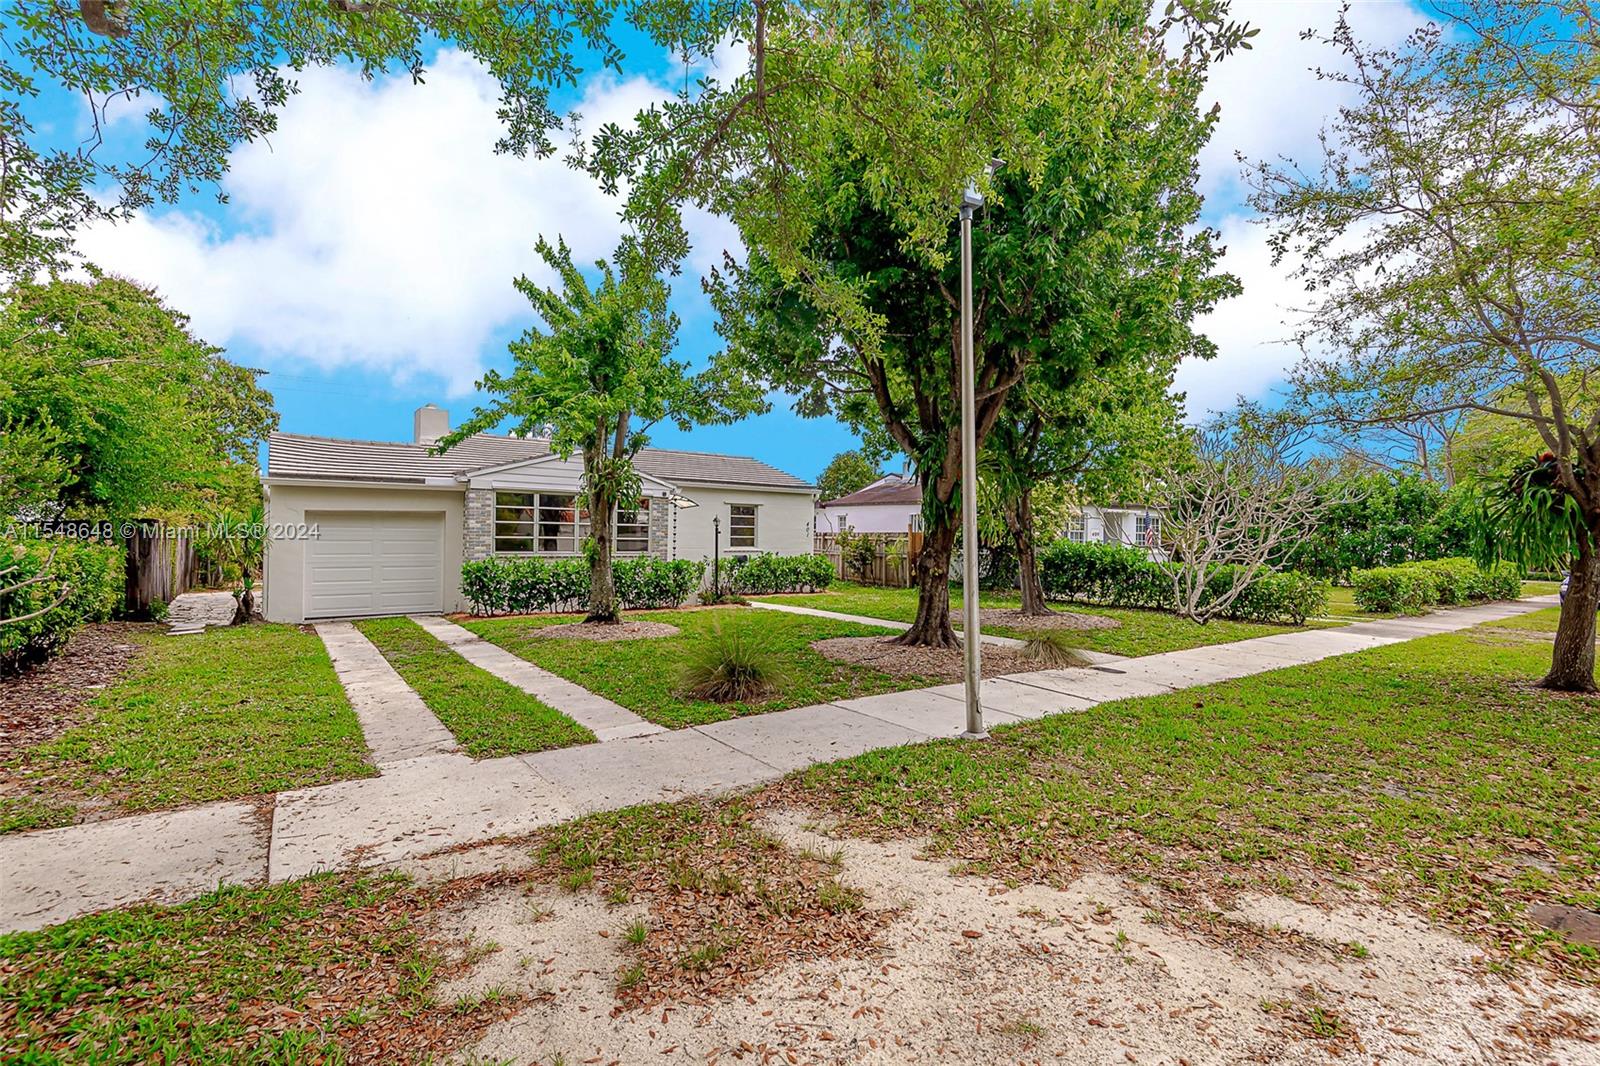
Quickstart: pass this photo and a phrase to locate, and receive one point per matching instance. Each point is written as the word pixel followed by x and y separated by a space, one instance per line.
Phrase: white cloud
pixel 378 228
pixel 1273 106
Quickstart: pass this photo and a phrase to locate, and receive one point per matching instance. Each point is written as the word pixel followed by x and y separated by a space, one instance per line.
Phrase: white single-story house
pixel 891 504
pixel 358 528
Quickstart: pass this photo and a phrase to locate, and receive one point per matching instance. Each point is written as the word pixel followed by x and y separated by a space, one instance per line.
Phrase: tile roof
pixel 890 489
pixel 291 455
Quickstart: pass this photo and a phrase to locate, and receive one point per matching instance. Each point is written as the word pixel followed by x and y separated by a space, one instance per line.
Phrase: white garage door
pixel 374 563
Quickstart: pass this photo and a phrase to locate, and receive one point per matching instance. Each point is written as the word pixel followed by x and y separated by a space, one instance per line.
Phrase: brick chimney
pixel 429 424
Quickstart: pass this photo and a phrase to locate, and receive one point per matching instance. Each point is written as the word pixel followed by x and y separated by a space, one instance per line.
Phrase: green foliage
pixel 1529 517
pixel 1382 519
pixel 844 474
pixel 85 577
pixel 511 585
pixel 1412 588
pixel 761 575
pixel 857 551
pixel 731 664
pixel 1120 576
pixel 120 409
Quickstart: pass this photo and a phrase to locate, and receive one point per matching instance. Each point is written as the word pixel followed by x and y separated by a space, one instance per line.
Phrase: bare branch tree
pixel 1230 512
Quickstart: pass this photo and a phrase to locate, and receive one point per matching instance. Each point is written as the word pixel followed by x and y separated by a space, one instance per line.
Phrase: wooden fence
pixel 161 565
pixel 893 557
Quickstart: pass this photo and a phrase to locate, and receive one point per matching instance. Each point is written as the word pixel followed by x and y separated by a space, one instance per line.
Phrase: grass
pixel 223 714
pixel 317 970
pixel 1140 632
pixel 1431 771
pixel 645 675
pixel 488 716
pixel 1342 600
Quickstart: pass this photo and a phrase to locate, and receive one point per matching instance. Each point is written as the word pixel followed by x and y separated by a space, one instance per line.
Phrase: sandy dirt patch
pixel 945 664
pixel 975 972
pixel 1013 618
pixel 606 631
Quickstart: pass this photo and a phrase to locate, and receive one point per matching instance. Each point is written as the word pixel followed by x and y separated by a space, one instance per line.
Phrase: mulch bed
pixel 44 702
pixel 945 664
pixel 606 631
pixel 1013 618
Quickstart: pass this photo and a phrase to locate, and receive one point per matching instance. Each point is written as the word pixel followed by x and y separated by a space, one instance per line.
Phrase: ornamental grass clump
pixel 729 665
pixel 1050 651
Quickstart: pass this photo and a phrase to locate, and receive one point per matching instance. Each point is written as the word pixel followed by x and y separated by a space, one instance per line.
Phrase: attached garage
pixel 373 563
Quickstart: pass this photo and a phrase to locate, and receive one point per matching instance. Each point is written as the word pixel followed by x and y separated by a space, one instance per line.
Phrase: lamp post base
pixel 975 736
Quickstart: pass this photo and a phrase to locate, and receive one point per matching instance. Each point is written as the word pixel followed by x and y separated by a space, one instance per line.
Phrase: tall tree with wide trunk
pixel 594 379
pixel 1095 241
pixel 1450 241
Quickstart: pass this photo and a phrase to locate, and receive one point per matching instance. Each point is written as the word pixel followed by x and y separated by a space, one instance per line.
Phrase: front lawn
pixel 1140 632
pixel 1431 771
pixel 488 716
pixel 643 675
pixel 223 714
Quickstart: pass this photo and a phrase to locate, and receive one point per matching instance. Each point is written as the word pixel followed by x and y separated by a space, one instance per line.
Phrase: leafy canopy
pixel 846 473
pixel 118 407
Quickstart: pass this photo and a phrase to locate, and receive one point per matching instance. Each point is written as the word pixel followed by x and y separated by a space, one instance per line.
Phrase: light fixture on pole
pixel 971 637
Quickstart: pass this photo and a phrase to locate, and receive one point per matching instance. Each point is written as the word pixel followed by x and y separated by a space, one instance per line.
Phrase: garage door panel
pixel 375 563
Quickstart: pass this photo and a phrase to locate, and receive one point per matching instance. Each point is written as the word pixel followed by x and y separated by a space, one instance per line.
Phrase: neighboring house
pixel 359 528
pixel 892 504
pixel 1129 524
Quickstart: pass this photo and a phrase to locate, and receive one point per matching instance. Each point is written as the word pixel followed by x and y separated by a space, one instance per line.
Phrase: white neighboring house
pixel 891 504
pixel 1133 525
pixel 359 528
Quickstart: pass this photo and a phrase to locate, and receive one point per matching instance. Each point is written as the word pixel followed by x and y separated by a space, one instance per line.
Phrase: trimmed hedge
pixel 94 574
pixel 512 585
pixel 1115 575
pixel 765 575
pixel 1412 588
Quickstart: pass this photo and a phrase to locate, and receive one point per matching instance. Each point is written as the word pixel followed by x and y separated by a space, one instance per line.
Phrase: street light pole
pixel 971 639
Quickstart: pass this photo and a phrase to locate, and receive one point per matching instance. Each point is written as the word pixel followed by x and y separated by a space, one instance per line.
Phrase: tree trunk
pixel 602 585
pixel 1572 661
pixel 1019 518
pixel 932 628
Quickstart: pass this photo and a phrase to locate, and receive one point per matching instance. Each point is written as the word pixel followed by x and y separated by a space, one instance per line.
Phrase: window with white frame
pixel 633 530
pixel 1077 531
pixel 741 525
pixel 1147 530
pixel 551 523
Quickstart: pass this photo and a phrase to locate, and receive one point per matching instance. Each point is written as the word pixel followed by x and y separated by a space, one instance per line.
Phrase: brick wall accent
pixel 660 519
pixel 477 540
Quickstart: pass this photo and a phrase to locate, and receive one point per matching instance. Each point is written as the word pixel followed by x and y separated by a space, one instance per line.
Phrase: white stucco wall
pixel 869 518
pixel 783 521
pixel 288 505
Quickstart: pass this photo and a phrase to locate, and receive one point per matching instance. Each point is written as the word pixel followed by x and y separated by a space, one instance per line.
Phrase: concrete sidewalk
pixel 436 801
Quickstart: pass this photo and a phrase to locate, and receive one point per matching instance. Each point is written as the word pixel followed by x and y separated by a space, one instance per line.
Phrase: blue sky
pixel 365 259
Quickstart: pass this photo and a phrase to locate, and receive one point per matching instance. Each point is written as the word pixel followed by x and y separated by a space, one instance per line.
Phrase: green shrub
pixel 649 583
pixel 729 665
pixel 93 575
pixel 765 575
pixel 1412 588
pixel 1115 575
pixel 520 585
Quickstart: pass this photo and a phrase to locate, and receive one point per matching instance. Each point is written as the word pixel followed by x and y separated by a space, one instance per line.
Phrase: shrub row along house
pixel 361 528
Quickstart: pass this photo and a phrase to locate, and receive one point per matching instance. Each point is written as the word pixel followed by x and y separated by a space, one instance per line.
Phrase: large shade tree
pixel 595 378
pixel 1095 241
pixel 1450 239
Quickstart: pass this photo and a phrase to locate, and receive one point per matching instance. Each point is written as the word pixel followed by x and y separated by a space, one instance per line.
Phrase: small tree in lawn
pixel 597 377
pixel 1451 243
pixel 1231 510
